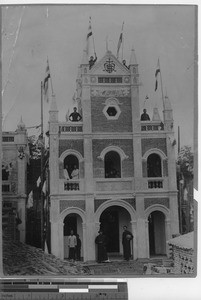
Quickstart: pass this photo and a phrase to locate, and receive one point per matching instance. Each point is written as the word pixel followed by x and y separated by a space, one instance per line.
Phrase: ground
pixel 24 260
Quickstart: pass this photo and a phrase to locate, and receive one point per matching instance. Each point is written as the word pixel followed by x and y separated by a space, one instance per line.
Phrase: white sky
pixel 31 33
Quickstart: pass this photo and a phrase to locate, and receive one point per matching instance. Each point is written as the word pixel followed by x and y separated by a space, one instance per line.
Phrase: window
pixel 5 173
pixel 111 111
pixel 71 167
pixel 109 79
pixel 112 165
pixel 154 165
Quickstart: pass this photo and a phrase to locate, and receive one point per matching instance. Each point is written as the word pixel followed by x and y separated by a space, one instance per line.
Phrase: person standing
pixel 72 242
pixel 78 247
pixel 75 116
pixel 101 242
pixel 126 242
pixel 75 173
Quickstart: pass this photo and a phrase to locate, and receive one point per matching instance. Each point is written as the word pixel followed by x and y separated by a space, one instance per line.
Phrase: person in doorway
pixel 75 116
pixel 72 243
pixel 126 242
pixel 145 116
pixel 75 173
pixel 66 174
pixel 78 247
pixel 101 242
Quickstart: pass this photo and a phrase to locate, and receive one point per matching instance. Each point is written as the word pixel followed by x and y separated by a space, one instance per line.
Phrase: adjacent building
pixel 14 166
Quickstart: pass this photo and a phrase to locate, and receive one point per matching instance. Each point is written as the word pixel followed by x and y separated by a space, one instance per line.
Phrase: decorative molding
pixel 153 201
pixel 71 203
pixel 113 148
pixel 71 152
pixel 109 92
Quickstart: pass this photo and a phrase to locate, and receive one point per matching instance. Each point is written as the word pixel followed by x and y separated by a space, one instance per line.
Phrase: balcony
pixel 151 126
pixel 71 127
pixel 151 184
pixel 71 186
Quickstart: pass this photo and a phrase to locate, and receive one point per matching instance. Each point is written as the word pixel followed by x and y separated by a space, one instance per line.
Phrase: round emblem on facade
pixel 109 66
pixel 126 79
pixel 93 79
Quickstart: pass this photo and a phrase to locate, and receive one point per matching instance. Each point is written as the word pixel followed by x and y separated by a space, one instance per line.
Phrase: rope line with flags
pixel 120 41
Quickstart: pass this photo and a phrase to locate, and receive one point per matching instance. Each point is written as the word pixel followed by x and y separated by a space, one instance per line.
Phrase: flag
pixel 44 187
pixel 38 181
pixel 89 33
pixel 174 143
pixel 146 97
pixel 45 82
pixel 156 75
pixel 30 200
pixel 120 40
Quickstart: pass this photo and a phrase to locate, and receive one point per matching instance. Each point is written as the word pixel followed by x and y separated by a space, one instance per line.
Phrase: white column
pixel 55 243
pixel 147 238
pixel 84 242
pixel 167 234
pixel 134 232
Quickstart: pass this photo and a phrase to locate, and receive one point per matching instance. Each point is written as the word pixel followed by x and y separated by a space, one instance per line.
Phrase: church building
pixel 112 167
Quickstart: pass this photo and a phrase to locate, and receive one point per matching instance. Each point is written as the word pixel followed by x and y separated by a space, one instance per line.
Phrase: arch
pixel 71 152
pixel 115 202
pixel 156 151
pixel 113 148
pixel 73 210
pixel 158 207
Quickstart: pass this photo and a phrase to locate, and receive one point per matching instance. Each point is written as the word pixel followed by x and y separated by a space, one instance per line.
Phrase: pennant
pixel 30 200
pixel 38 181
pixel 156 75
pixel 44 187
pixel 45 82
pixel 120 40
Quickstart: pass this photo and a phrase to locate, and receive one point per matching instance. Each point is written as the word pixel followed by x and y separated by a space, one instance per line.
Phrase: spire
pixel 156 116
pixel 21 125
pixel 53 106
pixel 85 58
pixel 133 60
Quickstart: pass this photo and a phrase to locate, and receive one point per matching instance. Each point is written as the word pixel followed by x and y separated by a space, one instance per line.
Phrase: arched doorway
pixel 112 221
pixel 73 222
pixel 157 236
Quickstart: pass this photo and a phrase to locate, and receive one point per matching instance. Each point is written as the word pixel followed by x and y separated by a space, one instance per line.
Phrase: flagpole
pixel 161 85
pixel 178 140
pixel 42 153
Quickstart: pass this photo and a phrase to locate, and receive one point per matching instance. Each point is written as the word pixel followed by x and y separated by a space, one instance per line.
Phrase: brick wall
pixel 71 144
pixel 127 164
pixel 101 123
pixel 159 143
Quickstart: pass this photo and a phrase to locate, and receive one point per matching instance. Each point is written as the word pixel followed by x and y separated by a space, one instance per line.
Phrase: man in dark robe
pixel 126 241
pixel 75 116
pixel 145 116
pixel 101 242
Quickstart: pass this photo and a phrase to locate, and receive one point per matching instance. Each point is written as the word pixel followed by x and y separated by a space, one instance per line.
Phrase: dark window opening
pixel 5 173
pixel 112 165
pixel 111 111
pixel 154 165
pixel 71 164
pixel 109 79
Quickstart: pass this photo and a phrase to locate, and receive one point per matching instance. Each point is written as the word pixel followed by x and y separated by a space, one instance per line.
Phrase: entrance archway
pixel 73 222
pixel 112 221
pixel 157 233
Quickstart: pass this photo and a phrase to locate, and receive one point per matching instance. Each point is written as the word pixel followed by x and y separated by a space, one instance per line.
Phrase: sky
pixel 32 33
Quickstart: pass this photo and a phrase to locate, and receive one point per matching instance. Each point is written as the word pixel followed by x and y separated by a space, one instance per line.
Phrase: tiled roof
pixel 185 241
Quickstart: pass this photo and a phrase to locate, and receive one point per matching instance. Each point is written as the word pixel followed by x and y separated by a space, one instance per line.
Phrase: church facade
pixel 125 171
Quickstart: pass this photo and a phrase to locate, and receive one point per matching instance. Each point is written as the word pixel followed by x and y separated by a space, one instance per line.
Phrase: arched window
pixel 71 164
pixel 112 165
pixel 154 165
pixel 5 172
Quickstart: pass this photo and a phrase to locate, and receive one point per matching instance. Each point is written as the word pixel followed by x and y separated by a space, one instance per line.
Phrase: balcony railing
pixel 70 127
pixel 71 185
pixel 155 184
pixel 151 126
